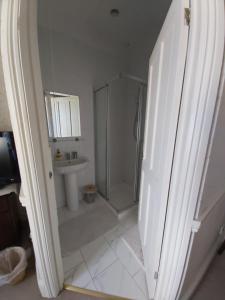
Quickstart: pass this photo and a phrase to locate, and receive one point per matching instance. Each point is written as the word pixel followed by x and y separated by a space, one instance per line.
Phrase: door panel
pixel 166 72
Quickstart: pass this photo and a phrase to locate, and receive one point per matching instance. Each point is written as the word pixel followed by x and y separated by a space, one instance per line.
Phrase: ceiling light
pixel 114 12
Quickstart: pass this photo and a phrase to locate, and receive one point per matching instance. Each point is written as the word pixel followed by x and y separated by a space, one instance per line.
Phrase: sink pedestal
pixel 72 196
pixel 69 169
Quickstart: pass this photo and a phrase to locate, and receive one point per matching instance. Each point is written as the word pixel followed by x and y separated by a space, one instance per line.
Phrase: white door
pixel 166 72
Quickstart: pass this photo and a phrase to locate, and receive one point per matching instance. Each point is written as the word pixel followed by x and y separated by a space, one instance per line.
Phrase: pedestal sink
pixel 69 169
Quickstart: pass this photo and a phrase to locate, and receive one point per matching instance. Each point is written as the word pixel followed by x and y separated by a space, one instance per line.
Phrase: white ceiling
pixel 90 20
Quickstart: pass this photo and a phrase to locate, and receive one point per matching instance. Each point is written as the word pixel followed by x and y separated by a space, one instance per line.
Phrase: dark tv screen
pixel 9 170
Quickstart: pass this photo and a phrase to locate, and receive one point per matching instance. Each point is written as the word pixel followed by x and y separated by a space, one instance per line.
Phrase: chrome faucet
pixel 68 155
pixel 74 155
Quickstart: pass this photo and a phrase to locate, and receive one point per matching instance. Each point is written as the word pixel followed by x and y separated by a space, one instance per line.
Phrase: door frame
pixel 22 75
pixel 199 96
pixel 24 91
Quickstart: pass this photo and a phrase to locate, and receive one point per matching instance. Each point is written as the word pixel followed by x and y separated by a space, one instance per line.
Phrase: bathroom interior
pixel 94 58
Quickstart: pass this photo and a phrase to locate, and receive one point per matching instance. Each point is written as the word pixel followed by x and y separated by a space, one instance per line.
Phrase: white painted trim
pixel 204 62
pixel 209 151
pixel 202 217
pixel 22 75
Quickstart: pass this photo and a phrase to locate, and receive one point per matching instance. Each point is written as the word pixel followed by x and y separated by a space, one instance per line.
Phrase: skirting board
pixel 197 279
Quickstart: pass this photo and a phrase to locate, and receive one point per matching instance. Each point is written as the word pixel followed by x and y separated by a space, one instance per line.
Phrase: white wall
pixel 212 207
pixel 72 67
pixel 5 123
pixel 139 55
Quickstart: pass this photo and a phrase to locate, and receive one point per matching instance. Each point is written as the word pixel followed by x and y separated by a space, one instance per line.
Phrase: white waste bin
pixel 13 264
pixel 90 192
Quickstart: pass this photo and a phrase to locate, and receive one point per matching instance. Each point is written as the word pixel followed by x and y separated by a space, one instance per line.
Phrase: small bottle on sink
pixel 58 155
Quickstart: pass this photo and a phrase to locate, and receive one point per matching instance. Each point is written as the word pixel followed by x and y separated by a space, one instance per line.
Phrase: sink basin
pixel 69 169
pixel 70 166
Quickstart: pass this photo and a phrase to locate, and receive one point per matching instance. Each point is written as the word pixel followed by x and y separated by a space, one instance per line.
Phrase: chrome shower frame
pixel 139 147
pixel 120 76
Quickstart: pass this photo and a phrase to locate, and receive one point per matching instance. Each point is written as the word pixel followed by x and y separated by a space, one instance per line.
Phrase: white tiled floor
pixel 64 214
pixel 140 279
pixel 107 264
pixel 115 280
pixel 79 276
pixel 87 224
pixel 121 196
pixel 98 255
pixel 132 238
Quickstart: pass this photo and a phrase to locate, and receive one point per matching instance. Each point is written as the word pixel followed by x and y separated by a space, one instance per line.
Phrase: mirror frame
pixel 61 139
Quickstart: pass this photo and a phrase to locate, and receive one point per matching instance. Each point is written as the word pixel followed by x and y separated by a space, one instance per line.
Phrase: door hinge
pixel 187 16
pixel 156 275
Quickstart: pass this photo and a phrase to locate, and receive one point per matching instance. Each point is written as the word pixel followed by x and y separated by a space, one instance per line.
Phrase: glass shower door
pixel 101 113
pixel 124 129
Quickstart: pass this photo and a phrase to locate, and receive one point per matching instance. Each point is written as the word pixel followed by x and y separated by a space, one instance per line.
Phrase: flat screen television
pixel 9 169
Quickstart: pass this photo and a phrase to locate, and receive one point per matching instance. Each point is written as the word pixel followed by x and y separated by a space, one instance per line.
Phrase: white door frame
pixel 22 76
pixel 20 58
pixel 201 82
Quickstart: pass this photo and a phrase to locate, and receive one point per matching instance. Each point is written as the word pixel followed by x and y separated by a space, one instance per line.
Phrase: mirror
pixel 63 115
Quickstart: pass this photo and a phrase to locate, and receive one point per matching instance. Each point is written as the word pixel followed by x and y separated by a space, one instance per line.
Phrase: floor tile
pixel 85 228
pixel 125 256
pixel 99 201
pixel 91 286
pixel 115 280
pixel 132 239
pixel 114 234
pixel 64 214
pixel 140 279
pixel 121 196
pixel 72 260
pixel 130 220
pixel 79 276
pixel 98 255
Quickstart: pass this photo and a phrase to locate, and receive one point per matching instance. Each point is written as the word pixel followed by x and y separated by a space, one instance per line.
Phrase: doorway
pixel 52 286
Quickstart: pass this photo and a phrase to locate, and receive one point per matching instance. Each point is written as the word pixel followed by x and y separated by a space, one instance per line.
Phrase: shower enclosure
pixel 119 117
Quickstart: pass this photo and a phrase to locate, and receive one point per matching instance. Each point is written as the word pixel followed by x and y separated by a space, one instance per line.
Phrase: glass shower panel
pixel 101 111
pixel 140 142
pixel 123 124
